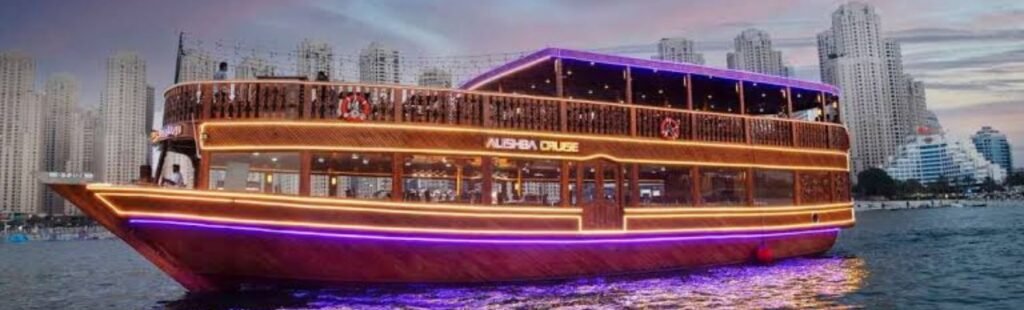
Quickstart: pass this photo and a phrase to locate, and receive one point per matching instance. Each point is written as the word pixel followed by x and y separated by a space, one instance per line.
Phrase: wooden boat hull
pixel 205 253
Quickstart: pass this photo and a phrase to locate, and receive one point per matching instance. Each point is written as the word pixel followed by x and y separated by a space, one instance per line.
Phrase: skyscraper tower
pixel 379 64
pixel 123 135
pixel 854 57
pixel 679 50
pixel 753 52
pixel 59 101
pixel 313 57
pixel 994 146
pixel 21 118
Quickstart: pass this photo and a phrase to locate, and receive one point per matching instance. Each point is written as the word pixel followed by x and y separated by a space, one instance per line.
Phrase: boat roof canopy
pixel 541 57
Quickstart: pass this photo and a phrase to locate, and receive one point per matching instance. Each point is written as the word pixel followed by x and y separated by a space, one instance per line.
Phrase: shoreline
pixel 95 232
pixel 859 206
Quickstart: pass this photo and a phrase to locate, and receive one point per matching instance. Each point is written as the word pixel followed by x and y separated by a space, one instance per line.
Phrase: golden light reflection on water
pixel 799 283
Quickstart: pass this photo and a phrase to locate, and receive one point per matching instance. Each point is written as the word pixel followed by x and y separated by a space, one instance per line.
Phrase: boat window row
pixel 478 180
pixel 660 88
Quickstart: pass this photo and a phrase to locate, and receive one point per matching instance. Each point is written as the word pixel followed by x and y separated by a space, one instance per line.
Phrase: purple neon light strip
pixel 478 240
pixel 654 64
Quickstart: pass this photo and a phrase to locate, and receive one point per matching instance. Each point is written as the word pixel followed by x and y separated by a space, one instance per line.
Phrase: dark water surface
pixel 926 259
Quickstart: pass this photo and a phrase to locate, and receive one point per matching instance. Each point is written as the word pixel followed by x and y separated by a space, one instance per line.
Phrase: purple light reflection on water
pixel 797 283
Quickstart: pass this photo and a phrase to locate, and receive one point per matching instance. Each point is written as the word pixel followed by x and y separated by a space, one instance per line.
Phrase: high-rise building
pixel 916 102
pixel 994 146
pixel 59 101
pixel 252 67
pixel 314 57
pixel 379 64
pixel 150 119
pixel 83 126
pixel 827 57
pixel 899 97
pixel 21 119
pixel 753 52
pixel 679 50
pixel 854 57
pixel 124 136
pixel 435 77
pixel 196 65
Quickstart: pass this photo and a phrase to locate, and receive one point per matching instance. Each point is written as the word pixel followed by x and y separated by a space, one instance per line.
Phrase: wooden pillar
pixel 397 182
pixel 821 105
pixel 634 185
pixel 743 101
pixel 559 79
pixel 580 170
pixel 487 170
pixel 563 113
pixel 488 112
pixel 306 91
pixel 750 186
pixel 688 83
pixel 789 102
pixel 396 105
pixel 797 189
pixel 628 75
pixel 203 171
pixel 206 101
pixel 695 188
pixel 564 185
pixel 305 172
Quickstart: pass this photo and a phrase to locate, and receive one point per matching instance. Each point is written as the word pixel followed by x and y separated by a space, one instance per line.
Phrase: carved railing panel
pixel 815 187
pixel 774 132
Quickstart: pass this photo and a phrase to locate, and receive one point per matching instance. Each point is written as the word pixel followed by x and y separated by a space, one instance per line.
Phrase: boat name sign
pixel 532 145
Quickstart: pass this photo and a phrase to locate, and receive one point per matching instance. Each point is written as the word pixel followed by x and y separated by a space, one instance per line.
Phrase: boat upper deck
pixel 188 104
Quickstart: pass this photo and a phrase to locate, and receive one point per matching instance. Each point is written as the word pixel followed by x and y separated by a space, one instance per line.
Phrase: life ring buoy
pixel 669 129
pixel 354 108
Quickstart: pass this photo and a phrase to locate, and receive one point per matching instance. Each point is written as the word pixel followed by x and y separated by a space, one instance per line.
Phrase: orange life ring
pixel 354 113
pixel 669 129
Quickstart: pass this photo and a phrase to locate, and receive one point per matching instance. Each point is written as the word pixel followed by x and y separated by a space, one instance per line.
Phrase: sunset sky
pixel 970 54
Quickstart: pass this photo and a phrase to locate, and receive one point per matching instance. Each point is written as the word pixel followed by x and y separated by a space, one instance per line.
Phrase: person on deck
pixel 175 179
pixel 222 72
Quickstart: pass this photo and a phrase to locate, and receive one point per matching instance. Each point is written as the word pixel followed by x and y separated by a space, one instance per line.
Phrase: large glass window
pixel 428 178
pixel 723 186
pixel 665 185
pixel 526 182
pixel 773 187
pixel 276 173
pixel 351 175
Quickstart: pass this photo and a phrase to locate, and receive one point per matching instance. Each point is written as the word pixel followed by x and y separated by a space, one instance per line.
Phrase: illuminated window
pixel 534 182
pixel 442 179
pixel 351 175
pixel 662 185
pixel 276 173
pixel 773 188
pixel 723 186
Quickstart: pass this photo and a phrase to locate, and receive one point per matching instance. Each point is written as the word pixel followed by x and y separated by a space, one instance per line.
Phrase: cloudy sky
pixel 970 54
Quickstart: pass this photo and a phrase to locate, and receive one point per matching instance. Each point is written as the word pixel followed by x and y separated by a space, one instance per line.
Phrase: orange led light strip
pixel 96 187
pixel 580 230
pixel 738 208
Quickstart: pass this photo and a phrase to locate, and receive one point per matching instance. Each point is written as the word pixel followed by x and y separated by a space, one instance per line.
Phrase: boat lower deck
pixel 208 240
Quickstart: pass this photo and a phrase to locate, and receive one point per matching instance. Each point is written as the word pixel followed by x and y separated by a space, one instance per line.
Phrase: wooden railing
pixel 297 100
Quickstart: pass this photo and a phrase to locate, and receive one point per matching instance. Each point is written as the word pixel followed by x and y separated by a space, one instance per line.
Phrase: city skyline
pixel 968 55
